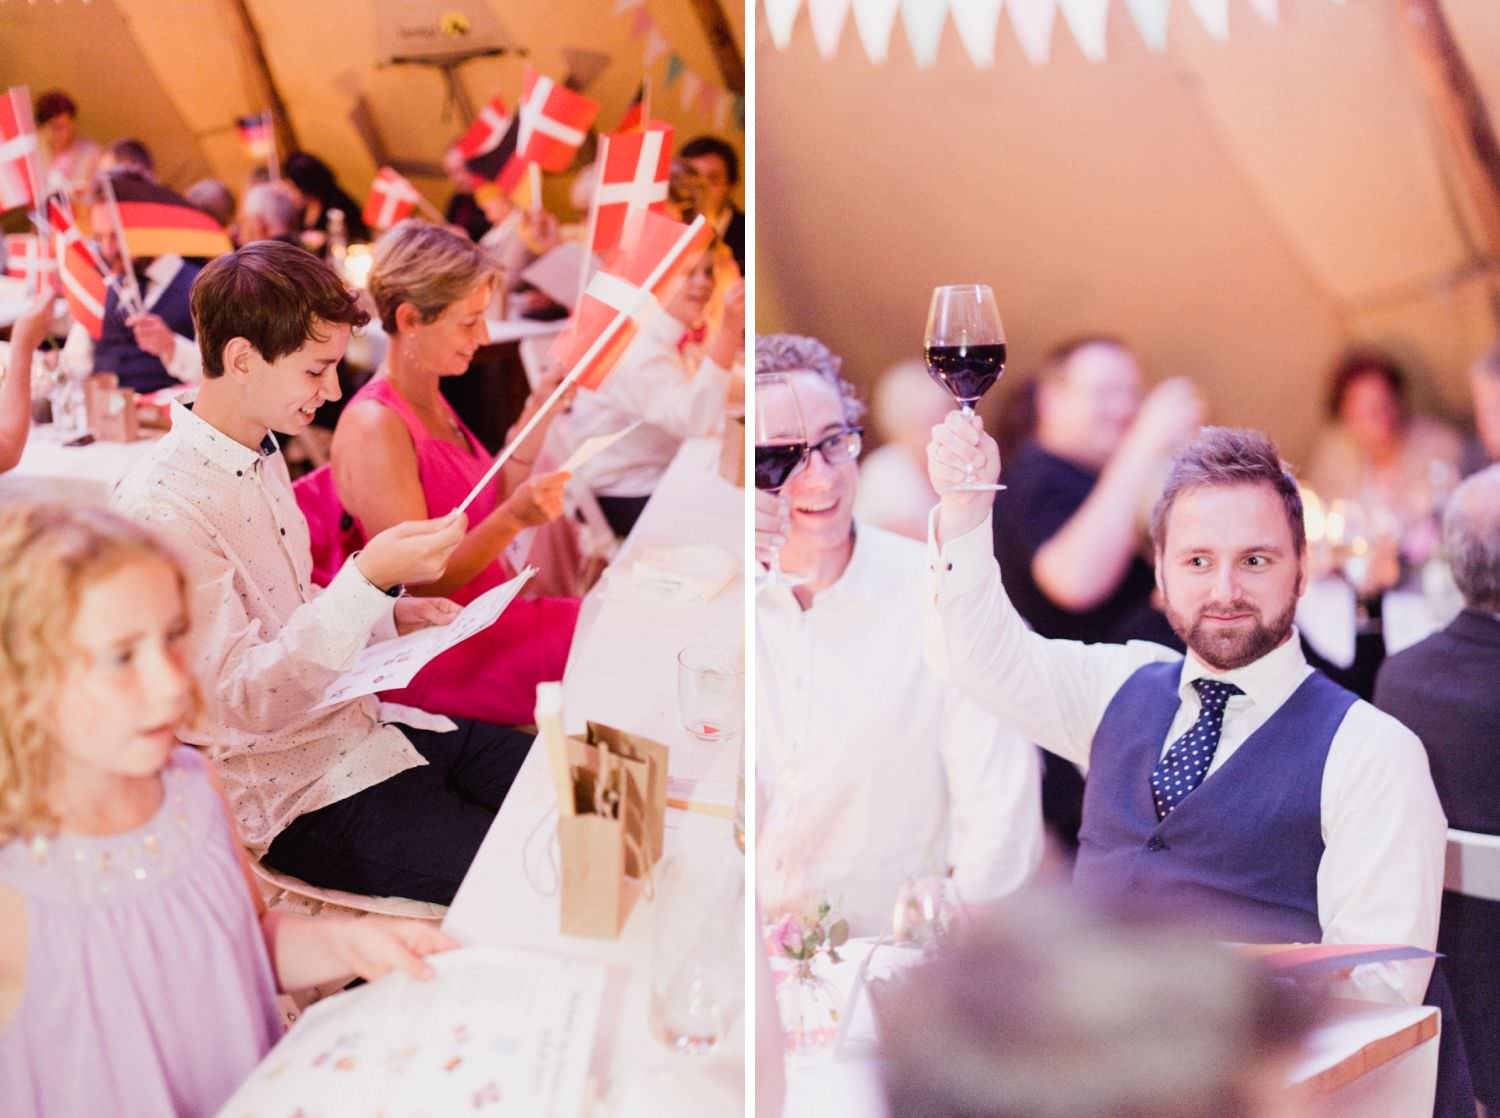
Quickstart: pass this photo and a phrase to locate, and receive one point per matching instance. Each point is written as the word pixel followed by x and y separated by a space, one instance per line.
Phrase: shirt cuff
pixel 357 598
pixel 962 564
pixel 186 364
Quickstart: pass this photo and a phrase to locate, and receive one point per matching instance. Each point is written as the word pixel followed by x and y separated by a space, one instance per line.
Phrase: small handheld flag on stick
pixel 629 303
pixel 554 121
pixel 20 158
pixel 258 136
pixel 30 258
pixel 155 221
pixel 79 272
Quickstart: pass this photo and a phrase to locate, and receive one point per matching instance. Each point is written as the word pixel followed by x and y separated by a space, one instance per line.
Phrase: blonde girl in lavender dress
pixel 138 968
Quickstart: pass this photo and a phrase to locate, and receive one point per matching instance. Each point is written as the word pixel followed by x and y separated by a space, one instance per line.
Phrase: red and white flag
pixel 635 169
pixel 30 258
pixel 627 293
pixel 20 162
pixel 486 132
pixel 554 121
pixel 392 199
pixel 78 273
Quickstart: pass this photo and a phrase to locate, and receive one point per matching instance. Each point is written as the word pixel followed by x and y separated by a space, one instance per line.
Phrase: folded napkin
pixel 695 571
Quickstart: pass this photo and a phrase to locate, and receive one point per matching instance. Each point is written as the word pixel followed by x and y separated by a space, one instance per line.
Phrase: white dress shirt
pixel 265 641
pixel 186 361
pixel 1381 876
pixel 873 770
pixel 656 384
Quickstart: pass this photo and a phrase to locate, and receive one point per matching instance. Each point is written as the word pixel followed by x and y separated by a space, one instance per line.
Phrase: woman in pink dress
pixel 400 452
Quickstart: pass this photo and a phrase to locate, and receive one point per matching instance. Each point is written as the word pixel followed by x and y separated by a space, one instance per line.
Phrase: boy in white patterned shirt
pixel 364 796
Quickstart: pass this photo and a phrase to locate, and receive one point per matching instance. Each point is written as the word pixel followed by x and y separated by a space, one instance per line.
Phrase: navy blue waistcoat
pixel 1241 852
pixel 116 351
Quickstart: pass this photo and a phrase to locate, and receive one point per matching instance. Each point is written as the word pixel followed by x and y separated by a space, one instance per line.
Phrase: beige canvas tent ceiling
pixel 1239 210
pixel 176 74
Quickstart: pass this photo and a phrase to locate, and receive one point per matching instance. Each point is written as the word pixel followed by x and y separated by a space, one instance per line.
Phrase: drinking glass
pixel 965 349
pixel 698 954
pixel 780 451
pixel 711 691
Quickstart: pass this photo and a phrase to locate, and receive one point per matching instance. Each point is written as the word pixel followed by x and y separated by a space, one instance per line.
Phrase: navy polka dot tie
pixel 1186 764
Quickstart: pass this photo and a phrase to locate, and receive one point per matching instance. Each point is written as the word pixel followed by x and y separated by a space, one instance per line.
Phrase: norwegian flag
pixel 392 198
pixel 634 171
pixel 79 275
pixel 30 258
pixel 20 163
pixel 554 121
pixel 256 135
pixel 626 293
pixel 488 129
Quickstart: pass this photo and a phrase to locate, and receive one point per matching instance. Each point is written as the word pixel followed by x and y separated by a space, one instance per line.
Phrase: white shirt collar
pixel 163 270
pixel 1267 682
pixel 215 447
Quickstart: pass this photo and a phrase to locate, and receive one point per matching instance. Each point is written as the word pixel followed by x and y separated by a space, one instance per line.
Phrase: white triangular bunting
pixel 688 89
pixel 976 21
pixel 781 17
pixel 656 46
pixel 873 19
pixel 721 109
pixel 1214 15
pixel 1151 21
pixel 623 6
pixel 923 20
pixel 1266 9
pixel 1086 19
pixel 827 17
pixel 1032 21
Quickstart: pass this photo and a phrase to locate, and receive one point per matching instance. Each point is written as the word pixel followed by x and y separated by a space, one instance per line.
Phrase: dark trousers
pixel 414 834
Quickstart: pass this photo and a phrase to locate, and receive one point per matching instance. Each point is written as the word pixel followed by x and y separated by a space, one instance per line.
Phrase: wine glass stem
pixel 966 407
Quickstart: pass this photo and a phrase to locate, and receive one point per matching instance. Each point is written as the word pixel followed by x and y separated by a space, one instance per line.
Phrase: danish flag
pixel 634 171
pixel 20 163
pixel 30 258
pixel 627 293
pixel 554 121
pixel 79 275
pixel 486 132
pixel 392 198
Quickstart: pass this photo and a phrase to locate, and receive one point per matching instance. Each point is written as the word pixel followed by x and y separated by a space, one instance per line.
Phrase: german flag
pixel 155 221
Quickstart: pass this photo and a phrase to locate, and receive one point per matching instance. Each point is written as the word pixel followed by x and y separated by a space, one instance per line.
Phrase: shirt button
pixel 283 531
pixel 1156 843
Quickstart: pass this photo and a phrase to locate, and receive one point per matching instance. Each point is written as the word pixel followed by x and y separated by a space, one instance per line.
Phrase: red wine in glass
pixel 967 372
pixel 776 463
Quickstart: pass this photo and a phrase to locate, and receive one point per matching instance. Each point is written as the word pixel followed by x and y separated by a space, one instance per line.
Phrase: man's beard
pixel 1225 648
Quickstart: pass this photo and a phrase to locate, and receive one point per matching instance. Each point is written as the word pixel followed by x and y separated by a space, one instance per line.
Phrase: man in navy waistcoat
pixel 1236 785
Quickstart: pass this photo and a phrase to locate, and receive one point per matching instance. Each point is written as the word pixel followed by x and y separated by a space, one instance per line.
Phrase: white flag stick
pixel 606 336
pixel 585 265
pixel 273 164
pixel 137 305
pixel 432 212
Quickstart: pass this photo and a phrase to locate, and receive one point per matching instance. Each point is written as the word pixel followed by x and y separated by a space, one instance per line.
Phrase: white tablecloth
pixel 87 474
pixel 622 672
pixel 1364 1062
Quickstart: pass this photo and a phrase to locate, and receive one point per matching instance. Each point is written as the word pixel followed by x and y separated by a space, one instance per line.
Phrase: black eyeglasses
pixel 841 446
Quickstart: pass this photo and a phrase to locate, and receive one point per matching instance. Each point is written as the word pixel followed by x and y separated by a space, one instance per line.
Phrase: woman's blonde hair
pixel 429 266
pixel 49 555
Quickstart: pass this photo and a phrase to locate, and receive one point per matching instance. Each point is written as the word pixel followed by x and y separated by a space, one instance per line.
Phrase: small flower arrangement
pixel 804 938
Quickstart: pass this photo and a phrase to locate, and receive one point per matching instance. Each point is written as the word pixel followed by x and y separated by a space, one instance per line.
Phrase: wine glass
pixel 780 451
pixel 965 350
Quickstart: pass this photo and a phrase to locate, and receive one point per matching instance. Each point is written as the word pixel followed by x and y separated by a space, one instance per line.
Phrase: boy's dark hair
pixel 271 294
pixel 712 145
pixel 54 103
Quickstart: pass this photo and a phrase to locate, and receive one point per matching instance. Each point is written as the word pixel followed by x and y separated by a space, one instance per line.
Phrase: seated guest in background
pixel 1237 784
pixel 319 192
pixel 268 212
pixel 1444 689
pixel 1484 383
pixel 128 155
pixel 1395 464
pixel 1011 1021
pixel 26 333
pixel 213 198
pixel 894 492
pixel 1068 529
pixel 656 383
pixel 151 350
pixel 718 169
pixel 360 796
pixel 401 453
pixel 873 771
pixel 71 157
pixel 463 209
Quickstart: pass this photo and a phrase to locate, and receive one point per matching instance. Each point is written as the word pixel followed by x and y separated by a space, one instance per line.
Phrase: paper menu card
pixel 496 1032
pixel 591 447
pixel 394 663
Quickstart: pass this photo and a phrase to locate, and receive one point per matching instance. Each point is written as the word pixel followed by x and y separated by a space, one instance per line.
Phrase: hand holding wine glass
pixel 963 462
pixel 965 350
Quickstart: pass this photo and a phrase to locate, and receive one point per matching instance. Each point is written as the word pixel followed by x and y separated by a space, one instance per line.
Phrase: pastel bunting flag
pixel 923 20
pixel 1086 19
pixel 687 90
pixel 656 46
pixel 1032 23
pixel 1150 18
pixel 827 19
pixel 874 19
pixel 781 17
pixel 1214 15
pixel 976 22
pixel 675 67
pixel 1267 10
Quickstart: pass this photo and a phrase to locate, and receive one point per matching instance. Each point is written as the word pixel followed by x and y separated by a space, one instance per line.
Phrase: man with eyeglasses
pixel 872 771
